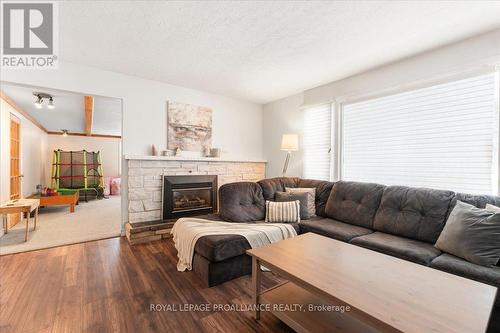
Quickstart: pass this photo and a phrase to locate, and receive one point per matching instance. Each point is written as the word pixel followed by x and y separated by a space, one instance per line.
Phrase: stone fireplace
pixel 146 180
pixel 188 196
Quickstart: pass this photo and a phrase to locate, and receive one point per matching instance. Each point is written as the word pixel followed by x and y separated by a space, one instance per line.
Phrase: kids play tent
pixel 77 170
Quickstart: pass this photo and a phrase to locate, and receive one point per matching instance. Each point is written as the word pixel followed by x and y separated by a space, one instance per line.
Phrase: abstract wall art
pixel 189 127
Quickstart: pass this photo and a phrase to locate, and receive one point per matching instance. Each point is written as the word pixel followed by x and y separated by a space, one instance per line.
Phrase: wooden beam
pixel 25 114
pixel 84 134
pixel 89 114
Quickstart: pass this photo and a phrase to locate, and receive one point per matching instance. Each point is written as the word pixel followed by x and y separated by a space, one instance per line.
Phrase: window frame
pixel 337 132
pixel 331 106
pixel 496 140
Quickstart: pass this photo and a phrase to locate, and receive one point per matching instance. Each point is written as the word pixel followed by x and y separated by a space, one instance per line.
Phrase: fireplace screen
pixel 189 196
pixel 193 198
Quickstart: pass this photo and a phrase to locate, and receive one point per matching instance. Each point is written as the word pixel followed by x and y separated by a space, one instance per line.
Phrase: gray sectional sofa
pixel 400 221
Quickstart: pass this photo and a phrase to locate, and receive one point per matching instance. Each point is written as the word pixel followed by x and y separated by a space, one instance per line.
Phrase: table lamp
pixel 289 143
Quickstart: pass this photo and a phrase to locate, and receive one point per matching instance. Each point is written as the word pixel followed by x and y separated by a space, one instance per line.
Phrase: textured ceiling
pixel 260 51
pixel 69 111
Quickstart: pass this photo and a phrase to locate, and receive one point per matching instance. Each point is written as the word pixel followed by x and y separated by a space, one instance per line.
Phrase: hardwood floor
pixel 108 286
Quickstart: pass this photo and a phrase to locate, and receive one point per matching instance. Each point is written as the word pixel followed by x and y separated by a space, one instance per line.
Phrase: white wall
pixel 109 147
pixel 467 56
pixel 34 162
pixel 237 124
pixel 282 117
pixel 452 61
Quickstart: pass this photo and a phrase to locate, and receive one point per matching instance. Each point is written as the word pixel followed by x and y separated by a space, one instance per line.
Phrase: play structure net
pixel 77 170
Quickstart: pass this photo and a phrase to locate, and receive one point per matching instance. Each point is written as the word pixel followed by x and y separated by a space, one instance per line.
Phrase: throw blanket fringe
pixel 187 231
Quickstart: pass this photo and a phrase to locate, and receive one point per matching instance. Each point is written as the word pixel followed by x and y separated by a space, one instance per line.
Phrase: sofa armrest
pixel 241 202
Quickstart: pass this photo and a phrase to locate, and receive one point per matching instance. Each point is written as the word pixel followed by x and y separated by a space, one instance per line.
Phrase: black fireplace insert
pixel 189 195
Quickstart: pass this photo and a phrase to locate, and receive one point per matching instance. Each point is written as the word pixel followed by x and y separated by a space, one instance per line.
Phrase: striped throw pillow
pixel 283 212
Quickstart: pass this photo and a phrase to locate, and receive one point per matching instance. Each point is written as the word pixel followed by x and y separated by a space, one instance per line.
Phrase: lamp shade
pixel 290 142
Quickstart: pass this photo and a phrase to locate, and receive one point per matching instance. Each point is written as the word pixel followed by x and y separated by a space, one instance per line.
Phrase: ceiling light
pixel 51 103
pixel 38 102
pixel 64 132
pixel 40 97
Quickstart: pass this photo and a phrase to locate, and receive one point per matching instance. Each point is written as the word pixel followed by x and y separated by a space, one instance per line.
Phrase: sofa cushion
pixel 491 208
pixel 333 229
pixel 241 202
pixel 302 197
pixel 311 197
pixel 477 200
pixel 354 203
pixel 221 247
pixel 458 266
pixel 404 248
pixel 323 189
pixel 283 212
pixel 272 185
pixel 473 234
pixel 417 213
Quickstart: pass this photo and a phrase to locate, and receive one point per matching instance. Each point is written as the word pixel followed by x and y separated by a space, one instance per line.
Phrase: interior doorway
pixel 15 170
pixel 63 149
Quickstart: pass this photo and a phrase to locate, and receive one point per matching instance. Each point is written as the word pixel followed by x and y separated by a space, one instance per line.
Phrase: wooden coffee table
pixel 383 293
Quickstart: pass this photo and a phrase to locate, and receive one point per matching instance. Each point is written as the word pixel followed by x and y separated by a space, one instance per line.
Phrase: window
pixel 317 142
pixel 444 136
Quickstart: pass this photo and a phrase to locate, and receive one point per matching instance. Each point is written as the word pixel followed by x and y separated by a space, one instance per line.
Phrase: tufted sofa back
pixel 354 202
pixel 323 189
pixel 272 185
pixel 417 213
pixel 241 202
pixel 477 200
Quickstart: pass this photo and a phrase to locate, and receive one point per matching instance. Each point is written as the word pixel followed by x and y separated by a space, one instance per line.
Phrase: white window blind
pixel 440 137
pixel 317 142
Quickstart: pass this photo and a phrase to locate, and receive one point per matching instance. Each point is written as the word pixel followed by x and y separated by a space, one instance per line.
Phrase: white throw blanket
pixel 187 231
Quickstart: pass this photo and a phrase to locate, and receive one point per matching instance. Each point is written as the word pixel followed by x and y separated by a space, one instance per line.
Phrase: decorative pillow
pixel 492 208
pixel 283 212
pixel 290 196
pixel 473 234
pixel 107 186
pixel 311 197
pixel 115 186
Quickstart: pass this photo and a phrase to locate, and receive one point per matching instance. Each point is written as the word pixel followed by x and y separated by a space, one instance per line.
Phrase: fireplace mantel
pixel 191 159
pixel 145 174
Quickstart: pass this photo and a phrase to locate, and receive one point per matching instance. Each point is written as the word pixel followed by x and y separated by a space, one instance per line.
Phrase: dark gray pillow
pixel 311 197
pixel 473 234
pixel 289 196
pixel 494 209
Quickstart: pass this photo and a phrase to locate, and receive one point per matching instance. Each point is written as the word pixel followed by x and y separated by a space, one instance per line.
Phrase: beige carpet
pixel 56 226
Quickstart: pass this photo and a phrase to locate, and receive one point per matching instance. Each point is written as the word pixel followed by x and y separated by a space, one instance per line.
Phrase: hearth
pixel 189 195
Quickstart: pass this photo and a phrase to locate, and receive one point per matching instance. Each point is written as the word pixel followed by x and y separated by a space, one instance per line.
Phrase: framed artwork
pixel 189 127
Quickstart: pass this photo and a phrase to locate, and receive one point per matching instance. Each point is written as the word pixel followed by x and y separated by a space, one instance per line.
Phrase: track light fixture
pixel 51 103
pixel 38 102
